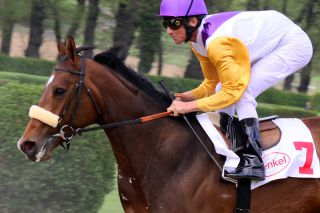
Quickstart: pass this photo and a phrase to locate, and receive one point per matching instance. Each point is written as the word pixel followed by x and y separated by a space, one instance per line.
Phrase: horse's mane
pixel 109 58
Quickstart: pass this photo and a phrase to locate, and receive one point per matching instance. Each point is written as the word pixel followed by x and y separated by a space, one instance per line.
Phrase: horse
pixel 161 166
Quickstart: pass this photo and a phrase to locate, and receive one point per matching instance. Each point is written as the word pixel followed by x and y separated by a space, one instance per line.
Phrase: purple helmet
pixel 179 8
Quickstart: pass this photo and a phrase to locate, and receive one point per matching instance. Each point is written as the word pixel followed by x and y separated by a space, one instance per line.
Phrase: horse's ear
pixel 71 50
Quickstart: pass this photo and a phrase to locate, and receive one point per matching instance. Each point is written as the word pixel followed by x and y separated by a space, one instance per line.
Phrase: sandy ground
pixel 49 51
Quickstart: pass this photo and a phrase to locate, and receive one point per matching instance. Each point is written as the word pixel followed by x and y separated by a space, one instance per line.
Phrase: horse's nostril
pixel 28 147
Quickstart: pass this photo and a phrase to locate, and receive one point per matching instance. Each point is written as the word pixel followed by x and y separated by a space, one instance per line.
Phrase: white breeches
pixel 293 52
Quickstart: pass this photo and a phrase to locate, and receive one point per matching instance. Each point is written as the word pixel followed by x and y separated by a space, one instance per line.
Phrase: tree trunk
pixel 76 18
pixel 7 29
pixel 126 25
pixel 149 34
pixel 305 78
pixel 266 5
pixel 55 13
pixel 284 6
pixel 91 24
pixel 288 80
pixel 36 28
pixel 216 6
pixel 193 69
pixel 7 19
pixel 308 14
pixel 160 58
pixel 311 13
pixel 253 5
pixel 288 83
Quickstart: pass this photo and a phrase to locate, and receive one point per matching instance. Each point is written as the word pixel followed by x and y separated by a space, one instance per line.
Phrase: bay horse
pixel 161 167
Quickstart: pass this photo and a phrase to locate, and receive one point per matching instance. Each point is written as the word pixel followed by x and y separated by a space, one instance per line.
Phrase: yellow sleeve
pixel 230 57
pixel 208 86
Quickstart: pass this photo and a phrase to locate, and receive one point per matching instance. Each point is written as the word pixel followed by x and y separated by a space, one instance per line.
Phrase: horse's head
pixel 69 101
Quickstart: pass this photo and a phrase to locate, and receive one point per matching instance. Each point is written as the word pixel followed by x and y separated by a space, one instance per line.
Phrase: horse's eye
pixel 59 91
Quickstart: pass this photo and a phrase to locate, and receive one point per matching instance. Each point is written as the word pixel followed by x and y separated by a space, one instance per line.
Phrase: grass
pixel 111 203
pixel 23 78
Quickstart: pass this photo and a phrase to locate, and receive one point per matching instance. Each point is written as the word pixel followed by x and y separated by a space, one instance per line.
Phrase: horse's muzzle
pixel 30 149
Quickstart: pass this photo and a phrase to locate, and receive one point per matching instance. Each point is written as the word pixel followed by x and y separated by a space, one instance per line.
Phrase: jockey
pixel 241 55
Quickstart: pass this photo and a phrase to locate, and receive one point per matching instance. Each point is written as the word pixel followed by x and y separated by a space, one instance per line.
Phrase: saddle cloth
pixel 294 156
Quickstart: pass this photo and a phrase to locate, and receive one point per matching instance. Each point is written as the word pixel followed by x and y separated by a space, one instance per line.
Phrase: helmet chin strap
pixel 189 29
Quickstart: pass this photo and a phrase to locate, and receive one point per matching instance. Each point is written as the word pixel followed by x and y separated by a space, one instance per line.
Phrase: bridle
pixel 67 132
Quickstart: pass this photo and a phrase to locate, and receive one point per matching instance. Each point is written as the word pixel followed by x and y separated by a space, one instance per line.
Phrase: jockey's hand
pixel 179 107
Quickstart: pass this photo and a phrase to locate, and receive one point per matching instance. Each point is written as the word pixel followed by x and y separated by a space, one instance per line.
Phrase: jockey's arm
pixel 211 79
pixel 230 62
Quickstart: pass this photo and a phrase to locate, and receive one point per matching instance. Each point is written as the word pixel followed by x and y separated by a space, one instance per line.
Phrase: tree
pixel 310 18
pixel 149 34
pixel 284 6
pixel 193 69
pixel 126 25
pixel 75 23
pixel 91 24
pixel 253 5
pixel 160 57
pixel 266 4
pixel 54 6
pixel 288 80
pixel 9 15
pixel 307 19
pixel 7 27
pixel 38 15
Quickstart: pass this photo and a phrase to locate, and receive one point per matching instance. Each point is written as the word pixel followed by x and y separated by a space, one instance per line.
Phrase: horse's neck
pixel 123 101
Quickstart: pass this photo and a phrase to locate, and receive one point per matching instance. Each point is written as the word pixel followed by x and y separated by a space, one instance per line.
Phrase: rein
pixel 78 132
pixel 67 132
pixel 124 123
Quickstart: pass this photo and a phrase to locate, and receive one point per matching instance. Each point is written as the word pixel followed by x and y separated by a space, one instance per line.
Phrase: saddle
pixel 269 131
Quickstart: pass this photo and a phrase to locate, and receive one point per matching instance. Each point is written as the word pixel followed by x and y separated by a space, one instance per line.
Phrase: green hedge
pixel 176 84
pixel 271 96
pixel 23 78
pixel 275 96
pixel 271 102
pixel 315 102
pixel 26 65
pixel 73 181
pixel 265 110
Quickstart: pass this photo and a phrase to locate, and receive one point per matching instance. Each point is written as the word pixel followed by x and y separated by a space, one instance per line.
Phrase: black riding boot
pixel 251 165
pixel 224 121
pixel 232 129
